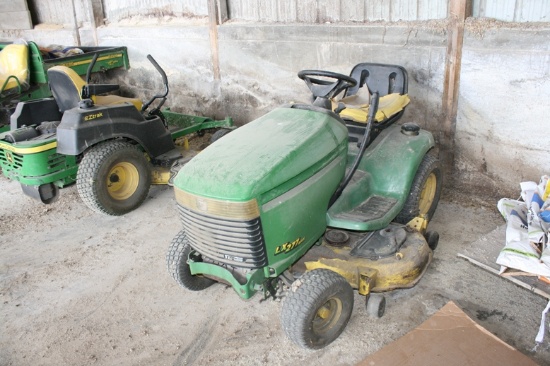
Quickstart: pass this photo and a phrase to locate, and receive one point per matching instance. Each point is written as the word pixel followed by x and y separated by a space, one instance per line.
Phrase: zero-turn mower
pixel 113 147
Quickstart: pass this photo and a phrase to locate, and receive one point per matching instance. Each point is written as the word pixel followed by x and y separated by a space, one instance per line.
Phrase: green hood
pixel 285 144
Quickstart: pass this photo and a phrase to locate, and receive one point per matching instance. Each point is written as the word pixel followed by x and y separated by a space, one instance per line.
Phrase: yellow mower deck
pixel 402 269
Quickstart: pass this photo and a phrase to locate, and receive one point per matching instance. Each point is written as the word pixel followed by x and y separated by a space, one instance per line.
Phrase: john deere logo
pixel 9 157
pixel 201 204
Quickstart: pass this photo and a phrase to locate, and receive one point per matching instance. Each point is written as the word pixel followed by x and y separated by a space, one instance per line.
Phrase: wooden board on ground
pixel 451 338
pixel 484 252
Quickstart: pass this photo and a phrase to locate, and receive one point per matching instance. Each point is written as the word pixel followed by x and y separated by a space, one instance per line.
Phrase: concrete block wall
pixel 503 122
pixel 14 14
pixel 502 112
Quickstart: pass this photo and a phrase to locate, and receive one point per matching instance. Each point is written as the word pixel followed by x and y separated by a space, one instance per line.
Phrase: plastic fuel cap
pixel 410 129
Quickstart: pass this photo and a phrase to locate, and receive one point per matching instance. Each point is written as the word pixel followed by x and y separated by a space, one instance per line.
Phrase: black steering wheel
pixel 321 88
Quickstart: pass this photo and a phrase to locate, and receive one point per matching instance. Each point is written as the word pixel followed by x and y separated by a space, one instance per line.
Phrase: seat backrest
pixel 66 86
pixel 381 78
pixel 14 63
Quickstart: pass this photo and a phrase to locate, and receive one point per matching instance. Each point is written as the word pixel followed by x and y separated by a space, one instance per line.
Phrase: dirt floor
pixel 79 288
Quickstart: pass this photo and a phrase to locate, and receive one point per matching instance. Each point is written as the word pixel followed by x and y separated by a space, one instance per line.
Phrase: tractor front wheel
pixel 176 261
pixel 425 191
pixel 317 308
pixel 113 178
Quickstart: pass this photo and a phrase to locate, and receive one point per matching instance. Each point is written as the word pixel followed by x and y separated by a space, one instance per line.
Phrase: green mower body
pixel 284 167
pixel 305 205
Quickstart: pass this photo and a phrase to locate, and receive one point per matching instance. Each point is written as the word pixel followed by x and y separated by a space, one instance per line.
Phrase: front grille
pixel 56 161
pixel 237 243
pixel 10 159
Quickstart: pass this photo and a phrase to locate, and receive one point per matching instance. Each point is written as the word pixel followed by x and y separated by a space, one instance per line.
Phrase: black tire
pixel 176 262
pixel 320 290
pixel 219 134
pixel 432 238
pixel 425 191
pixel 113 178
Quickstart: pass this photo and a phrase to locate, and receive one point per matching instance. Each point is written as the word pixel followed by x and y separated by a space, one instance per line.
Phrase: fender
pixel 386 170
pixel 81 128
pixel 34 112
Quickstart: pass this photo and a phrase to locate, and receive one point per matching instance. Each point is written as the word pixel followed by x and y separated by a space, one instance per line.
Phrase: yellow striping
pixel 28 150
pixel 102 58
pixel 219 208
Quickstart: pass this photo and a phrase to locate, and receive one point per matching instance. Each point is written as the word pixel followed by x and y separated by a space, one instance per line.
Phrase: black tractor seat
pixel 67 86
pixel 391 83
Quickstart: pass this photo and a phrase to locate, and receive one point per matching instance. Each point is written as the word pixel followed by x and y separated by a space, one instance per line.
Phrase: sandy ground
pixel 79 288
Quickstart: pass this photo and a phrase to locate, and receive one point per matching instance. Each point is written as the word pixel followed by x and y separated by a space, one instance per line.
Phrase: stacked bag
pixel 527 229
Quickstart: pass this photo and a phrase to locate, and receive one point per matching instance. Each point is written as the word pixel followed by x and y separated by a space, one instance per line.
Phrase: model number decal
pixel 90 117
pixel 288 246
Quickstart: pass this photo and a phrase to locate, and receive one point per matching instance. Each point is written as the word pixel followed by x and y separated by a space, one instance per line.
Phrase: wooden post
pixel 455 37
pixel 75 25
pixel 223 14
pixel 214 22
pixel 93 24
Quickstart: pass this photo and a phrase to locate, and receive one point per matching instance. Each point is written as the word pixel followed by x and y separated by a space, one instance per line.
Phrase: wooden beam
pixel 93 20
pixel 455 36
pixel 75 25
pixel 223 14
pixel 213 25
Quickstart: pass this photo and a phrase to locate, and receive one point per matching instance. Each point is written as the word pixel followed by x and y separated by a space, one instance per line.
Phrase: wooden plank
pixel 328 11
pixel 223 14
pixel 286 11
pixel 377 10
pixel 16 20
pixel 213 30
pixel 403 10
pixel 268 11
pixel 93 20
pixel 306 11
pixel 352 10
pixel 455 39
pixel 97 12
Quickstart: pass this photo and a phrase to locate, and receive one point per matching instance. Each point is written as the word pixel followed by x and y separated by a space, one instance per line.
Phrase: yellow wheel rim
pixel 428 194
pixel 122 181
pixel 327 315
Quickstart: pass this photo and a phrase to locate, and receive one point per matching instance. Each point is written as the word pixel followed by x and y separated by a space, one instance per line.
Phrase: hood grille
pixel 237 243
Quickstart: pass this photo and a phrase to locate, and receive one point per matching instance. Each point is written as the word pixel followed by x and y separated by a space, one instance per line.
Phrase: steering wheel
pixel 321 88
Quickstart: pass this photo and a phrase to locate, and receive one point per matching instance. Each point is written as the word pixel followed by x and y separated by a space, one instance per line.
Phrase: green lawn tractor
pixel 299 204
pixel 113 147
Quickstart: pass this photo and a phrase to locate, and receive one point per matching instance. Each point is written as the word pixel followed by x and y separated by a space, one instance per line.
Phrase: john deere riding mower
pixel 113 147
pixel 297 204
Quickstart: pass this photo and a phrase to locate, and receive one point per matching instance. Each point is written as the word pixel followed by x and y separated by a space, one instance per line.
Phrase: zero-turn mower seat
pixel 66 86
pixel 14 67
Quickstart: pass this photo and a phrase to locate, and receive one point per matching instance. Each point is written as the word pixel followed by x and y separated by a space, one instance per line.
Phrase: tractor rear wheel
pixel 425 191
pixel 176 261
pixel 113 178
pixel 317 308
